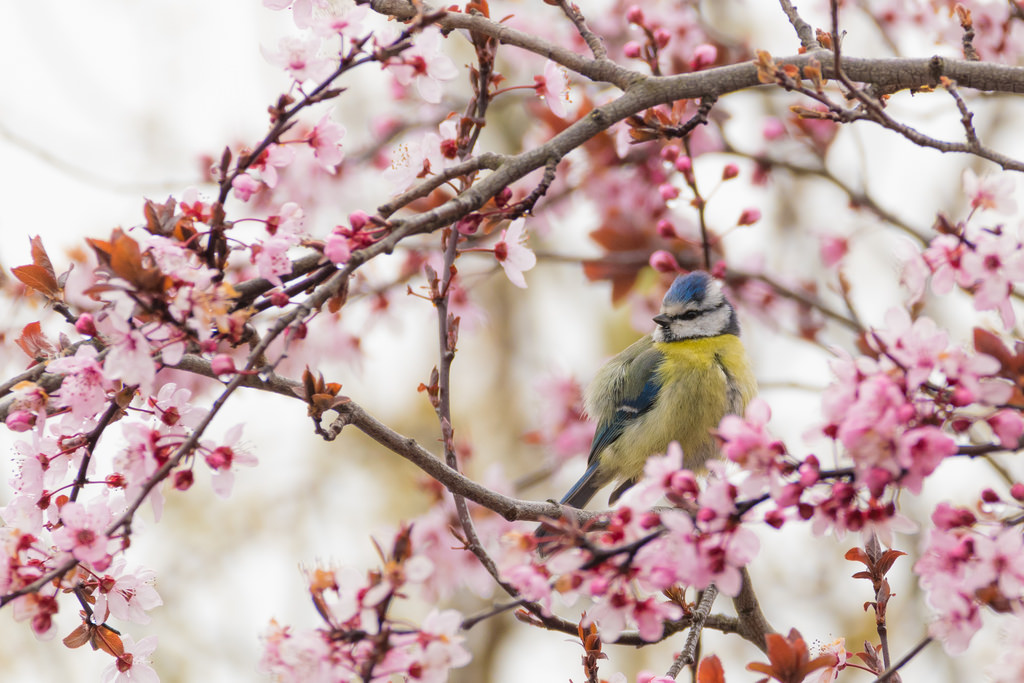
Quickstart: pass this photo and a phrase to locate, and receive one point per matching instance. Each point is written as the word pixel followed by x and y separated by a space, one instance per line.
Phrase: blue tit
pixel 675 384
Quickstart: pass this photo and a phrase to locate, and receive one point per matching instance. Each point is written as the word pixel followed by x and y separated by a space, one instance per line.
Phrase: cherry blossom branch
pixel 804 31
pixel 487 160
pixel 601 69
pixel 576 17
pixel 876 113
pixel 511 509
pixel 688 655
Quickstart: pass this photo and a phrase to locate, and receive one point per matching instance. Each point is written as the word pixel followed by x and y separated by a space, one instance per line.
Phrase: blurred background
pixel 108 102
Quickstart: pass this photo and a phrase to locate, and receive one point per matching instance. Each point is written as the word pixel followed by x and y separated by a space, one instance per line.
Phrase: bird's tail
pixel 584 489
pixel 578 496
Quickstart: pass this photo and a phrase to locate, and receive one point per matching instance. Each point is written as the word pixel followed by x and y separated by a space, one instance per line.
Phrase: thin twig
pixel 589 37
pixel 688 655
pixel 804 31
pixel 890 672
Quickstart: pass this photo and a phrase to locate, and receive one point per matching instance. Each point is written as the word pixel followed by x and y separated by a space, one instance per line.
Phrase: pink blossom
pixel 244 186
pixel 632 50
pixel 1008 426
pixel 126 595
pixel 920 451
pixel 748 442
pixel 993 192
pixel 326 143
pixel 513 254
pixel 995 263
pixel 222 459
pixel 426 65
pixel 273 158
pixel 530 582
pixel 959 618
pixel 837 648
pixel 917 345
pixel 130 357
pixel 83 533
pixel 133 665
pixel 337 248
pixel 869 427
pixel 553 88
pixel 1000 560
pixel 84 388
pixel 421 157
pixel 300 57
pixel 270 257
pixel 650 616
pixel 444 649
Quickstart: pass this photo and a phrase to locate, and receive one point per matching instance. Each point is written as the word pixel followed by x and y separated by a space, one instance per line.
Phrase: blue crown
pixel 692 287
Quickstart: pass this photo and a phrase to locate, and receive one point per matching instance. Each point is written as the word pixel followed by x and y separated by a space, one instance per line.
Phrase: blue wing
pixel 629 409
pixel 631 400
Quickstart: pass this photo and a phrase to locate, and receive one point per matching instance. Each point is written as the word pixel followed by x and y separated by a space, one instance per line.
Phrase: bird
pixel 674 384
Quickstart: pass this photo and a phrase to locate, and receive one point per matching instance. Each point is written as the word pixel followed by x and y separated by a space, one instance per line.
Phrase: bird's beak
pixel 662 319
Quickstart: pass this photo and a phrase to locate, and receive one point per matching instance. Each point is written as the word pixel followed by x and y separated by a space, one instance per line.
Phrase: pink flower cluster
pixel 986 260
pixel 640 553
pixel 361 640
pixel 966 565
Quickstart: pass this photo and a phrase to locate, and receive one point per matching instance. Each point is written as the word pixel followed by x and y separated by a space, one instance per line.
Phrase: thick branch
pixel 509 508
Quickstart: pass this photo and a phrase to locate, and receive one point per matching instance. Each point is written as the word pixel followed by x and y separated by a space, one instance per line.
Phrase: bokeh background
pixel 109 101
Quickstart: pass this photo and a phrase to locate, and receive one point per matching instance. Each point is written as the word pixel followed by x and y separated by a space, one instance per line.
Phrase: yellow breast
pixel 702 380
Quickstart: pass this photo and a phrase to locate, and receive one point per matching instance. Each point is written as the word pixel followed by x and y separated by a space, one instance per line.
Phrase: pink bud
pixel 635 15
pixel 631 49
pixel 503 197
pixel 990 496
pixel 661 37
pixel 358 219
pixel 20 420
pixel 703 56
pixel 775 518
pixel 183 480
pixel 962 396
pixel 808 475
pixel 223 364
pixel 668 191
pixel 685 166
pixel 730 171
pixel 663 262
pixel 684 483
pixel 666 229
pixel 749 217
pixel 1017 491
pixel 670 153
pixel 86 325
pixel 279 298
pixel 467 225
pixel 833 249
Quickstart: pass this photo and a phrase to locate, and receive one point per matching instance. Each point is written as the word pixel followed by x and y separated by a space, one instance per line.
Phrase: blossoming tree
pixel 670 138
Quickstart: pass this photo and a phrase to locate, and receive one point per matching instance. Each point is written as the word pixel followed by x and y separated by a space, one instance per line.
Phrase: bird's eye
pixel 690 315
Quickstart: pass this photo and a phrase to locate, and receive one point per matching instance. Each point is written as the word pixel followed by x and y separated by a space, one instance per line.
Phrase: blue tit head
pixel 695 307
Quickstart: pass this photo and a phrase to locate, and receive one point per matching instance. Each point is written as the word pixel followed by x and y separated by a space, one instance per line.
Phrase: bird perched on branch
pixel 675 384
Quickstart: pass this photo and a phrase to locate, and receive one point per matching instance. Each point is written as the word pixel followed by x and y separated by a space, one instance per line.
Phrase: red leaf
pixel 34 343
pixel 710 670
pixel 40 275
